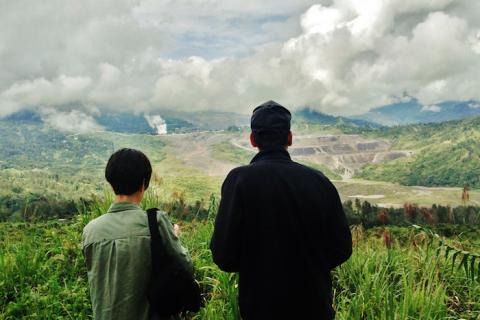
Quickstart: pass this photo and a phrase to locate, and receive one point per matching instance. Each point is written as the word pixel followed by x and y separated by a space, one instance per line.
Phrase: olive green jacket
pixel 116 246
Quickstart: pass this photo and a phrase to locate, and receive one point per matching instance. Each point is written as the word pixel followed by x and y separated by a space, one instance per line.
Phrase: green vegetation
pixel 33 146
pixel 44 172
pixel 226 151
pixel 394 272
pixel 326 171
pixel 369 215
pixel 388 278
pixel 195 188
pixel 446 154
pixel 43 274
pixel 393 194
pixel 307 115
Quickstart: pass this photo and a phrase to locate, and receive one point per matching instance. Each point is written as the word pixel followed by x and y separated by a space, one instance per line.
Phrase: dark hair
pixel 127 171
pixel 271 139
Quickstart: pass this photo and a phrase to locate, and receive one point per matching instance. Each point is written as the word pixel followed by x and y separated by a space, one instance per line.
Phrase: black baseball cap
pixel 270 117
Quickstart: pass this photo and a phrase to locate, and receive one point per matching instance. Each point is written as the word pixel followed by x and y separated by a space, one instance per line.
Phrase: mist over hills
pixel 171 121
pixel 139 123
pixel 411 112
pixel 183 122
pixel 438 154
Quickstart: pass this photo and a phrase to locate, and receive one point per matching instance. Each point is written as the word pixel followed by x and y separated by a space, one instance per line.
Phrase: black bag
pixel 172 288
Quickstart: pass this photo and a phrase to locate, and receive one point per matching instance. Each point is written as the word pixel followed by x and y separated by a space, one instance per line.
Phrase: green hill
pixel 307 115
pixel 42 169
pixel 34 146
pixel 444 154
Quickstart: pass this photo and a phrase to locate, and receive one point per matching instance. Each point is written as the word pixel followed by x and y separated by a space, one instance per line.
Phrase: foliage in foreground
pixel 388 277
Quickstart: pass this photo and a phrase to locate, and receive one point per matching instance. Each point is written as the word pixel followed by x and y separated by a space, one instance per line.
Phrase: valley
pixel 212 155
pixel 423 164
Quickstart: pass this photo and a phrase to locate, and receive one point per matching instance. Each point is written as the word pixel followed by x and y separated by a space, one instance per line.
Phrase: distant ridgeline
pixel 25 117
pixel 411 112
pixel 175 121
pixel 114 121
pixel 308 115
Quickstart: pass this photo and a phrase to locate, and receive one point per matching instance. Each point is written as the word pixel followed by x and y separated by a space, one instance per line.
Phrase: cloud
pixel 474 105
pixel 432 108
pixel 339 56
pixel 73 121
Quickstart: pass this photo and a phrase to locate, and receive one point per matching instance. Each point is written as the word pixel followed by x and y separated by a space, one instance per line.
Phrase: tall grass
pixel 42 272
pixel 380 283
pixel 43 276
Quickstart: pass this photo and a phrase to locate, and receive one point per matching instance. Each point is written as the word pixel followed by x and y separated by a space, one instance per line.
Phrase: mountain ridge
pixel 312 116
pixel 412 111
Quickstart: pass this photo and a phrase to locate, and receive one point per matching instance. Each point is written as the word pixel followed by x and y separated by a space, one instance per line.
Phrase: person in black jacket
pixel 281 226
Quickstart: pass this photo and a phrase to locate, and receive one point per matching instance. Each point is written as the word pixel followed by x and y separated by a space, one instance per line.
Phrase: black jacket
pixel 281 225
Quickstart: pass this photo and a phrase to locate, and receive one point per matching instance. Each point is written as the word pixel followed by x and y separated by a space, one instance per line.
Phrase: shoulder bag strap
pixel 156 240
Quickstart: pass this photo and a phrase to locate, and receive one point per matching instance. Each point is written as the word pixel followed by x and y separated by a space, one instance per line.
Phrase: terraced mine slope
pixel 344 154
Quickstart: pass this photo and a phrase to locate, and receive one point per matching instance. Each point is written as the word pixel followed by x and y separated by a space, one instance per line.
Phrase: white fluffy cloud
pixel 339 56
pixel 72 121
pixel 431 108
pixel 474 105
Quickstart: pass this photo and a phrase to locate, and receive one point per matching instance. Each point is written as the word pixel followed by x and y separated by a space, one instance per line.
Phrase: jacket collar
pixel 122 206
pixel 272 154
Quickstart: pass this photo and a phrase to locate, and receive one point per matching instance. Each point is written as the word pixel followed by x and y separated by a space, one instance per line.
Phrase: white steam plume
pixel 156 122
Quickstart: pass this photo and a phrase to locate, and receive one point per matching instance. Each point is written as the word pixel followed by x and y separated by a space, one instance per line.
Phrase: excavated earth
pixel 345 154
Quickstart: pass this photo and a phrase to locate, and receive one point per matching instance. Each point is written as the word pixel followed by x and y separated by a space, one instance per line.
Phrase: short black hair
pixel 127 171
pixel 271 140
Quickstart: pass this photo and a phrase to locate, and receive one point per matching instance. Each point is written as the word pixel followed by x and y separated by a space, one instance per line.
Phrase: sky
pixel 70 59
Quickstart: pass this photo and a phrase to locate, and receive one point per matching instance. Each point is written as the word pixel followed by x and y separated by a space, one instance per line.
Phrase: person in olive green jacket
pixel 116 245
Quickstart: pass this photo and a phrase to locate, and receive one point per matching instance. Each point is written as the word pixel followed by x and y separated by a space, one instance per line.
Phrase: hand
pixel 176 229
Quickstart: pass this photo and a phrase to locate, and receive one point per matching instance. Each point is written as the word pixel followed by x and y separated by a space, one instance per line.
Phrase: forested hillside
pixel 444 154
pixel 46 172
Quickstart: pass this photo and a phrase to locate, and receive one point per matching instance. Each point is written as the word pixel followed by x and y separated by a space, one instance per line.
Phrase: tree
pixel 465 194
